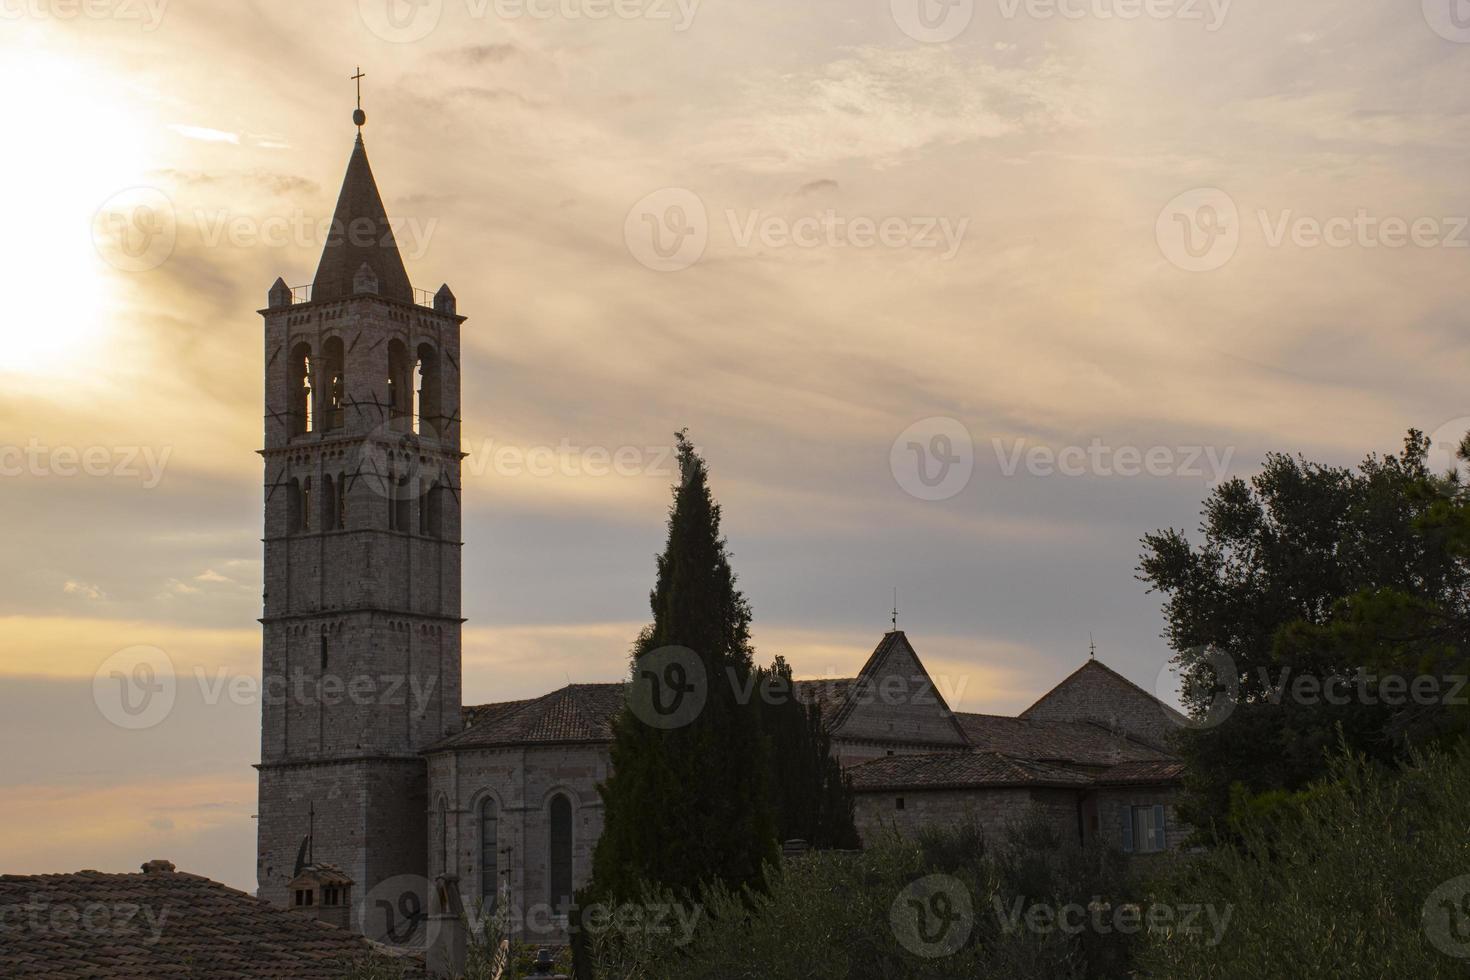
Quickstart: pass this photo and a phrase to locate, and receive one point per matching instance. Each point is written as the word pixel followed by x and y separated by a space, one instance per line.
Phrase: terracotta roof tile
pixel 959 770
pixel 164 924
pixel 1075 742
pixel 576 713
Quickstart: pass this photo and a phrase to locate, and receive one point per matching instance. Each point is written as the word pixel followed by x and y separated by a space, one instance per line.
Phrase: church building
pixel 373 768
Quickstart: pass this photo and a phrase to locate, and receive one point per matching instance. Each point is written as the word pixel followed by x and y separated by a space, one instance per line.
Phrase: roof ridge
pixel 1094 662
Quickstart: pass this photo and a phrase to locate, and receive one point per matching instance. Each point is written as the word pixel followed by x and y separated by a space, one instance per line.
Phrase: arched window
pixel 427 406
pixel 333 384
pixel 559 877
pixel 400 390
pixel 489 856
pixel 306 504
pixel 299 389
pixel 443 836
pixel 431 518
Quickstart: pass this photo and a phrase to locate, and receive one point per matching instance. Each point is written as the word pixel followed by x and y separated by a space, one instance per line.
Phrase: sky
pixel 959 298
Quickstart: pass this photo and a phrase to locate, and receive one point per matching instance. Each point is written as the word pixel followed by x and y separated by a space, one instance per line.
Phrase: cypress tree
pixel 814 800
pixel 688 801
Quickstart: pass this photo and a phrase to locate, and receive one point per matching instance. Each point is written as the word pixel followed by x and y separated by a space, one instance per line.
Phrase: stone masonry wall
pixel 521 782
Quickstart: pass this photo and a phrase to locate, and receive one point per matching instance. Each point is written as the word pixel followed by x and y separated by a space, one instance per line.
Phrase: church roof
pixel 1094 670
pixel 360 235
pixel 1077 742
pixel 894 643
pixel 575 713
pixel 960 770
pixel 165 923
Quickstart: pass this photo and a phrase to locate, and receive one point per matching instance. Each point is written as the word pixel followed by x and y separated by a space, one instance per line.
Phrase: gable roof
pixel 166 923
pixel 893 643
pixel 360 234
pixel 1081 743
pixel 1095 671
pixel 960 770
pixel 575 713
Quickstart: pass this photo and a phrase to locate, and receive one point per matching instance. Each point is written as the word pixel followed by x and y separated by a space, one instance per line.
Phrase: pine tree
pixel 689 804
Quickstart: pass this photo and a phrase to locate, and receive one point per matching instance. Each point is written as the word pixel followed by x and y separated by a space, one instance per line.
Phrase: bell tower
pixel 361 624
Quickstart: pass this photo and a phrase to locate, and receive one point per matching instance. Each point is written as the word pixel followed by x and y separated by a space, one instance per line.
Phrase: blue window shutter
pixel 1127 812
pixel 1159 825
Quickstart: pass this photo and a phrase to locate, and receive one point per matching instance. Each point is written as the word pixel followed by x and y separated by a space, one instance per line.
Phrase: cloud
pixel 204 134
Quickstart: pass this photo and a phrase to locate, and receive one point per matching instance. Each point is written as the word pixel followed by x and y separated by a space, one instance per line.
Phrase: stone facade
pixel 515 787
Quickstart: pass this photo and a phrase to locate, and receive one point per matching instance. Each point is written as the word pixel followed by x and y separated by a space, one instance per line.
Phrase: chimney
pixel 322 891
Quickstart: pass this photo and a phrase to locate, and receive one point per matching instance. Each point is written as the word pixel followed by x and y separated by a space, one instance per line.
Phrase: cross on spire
pixel 358 116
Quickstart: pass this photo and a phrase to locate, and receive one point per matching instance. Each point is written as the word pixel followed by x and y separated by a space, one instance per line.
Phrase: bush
pixel 851 916
pixel 1334 882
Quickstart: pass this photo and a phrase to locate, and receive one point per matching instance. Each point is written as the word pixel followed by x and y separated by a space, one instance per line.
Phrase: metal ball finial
pixel 358 117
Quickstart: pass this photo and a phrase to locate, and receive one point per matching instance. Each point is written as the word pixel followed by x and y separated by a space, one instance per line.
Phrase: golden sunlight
pixel 94 152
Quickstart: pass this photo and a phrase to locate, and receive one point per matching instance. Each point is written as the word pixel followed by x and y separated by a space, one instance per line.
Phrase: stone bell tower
pixel 361 645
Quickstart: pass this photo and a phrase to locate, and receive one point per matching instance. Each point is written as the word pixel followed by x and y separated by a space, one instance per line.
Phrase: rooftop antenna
pixel 358 116
pixel 895 609
pixel 311 833
pixel 1091 648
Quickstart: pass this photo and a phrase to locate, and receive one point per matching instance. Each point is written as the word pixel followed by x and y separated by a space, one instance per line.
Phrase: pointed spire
pixel 360 235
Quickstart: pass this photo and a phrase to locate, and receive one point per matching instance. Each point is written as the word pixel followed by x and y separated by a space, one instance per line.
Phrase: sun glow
pixel 85 148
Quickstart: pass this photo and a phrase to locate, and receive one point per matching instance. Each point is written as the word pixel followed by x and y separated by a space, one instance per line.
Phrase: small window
pixel 898 803
pixel 1143 829
pixel 306 504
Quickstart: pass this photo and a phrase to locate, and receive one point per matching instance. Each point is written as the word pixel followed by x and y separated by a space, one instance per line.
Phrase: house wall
pixel 990 809
pixel 1111 802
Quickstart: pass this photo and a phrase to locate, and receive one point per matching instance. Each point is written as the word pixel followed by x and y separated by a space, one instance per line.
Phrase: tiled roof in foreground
pixel 165 923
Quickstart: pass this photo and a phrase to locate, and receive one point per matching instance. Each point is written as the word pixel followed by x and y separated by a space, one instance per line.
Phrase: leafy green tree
pixel 1356 876
pixel 814 800
pixel 1306 574
pixel 689 805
